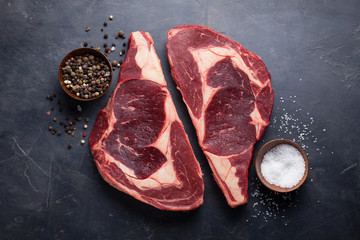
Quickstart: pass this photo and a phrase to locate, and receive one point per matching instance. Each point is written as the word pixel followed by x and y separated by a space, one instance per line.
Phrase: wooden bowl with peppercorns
pixel 85 74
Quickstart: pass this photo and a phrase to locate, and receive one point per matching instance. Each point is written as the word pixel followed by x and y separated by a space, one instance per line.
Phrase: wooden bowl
pixel 259 158
pixel 77 52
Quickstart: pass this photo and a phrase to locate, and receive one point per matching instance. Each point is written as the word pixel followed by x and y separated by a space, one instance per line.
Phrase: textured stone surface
pixel 311 48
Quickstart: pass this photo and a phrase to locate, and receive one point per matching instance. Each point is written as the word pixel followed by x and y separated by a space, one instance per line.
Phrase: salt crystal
pixel 283 166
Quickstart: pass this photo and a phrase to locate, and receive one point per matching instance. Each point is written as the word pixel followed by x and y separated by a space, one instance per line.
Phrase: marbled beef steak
pixel 138 141
pixel 227 91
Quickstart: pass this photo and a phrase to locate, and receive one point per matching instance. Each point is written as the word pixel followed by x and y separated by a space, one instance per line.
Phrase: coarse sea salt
pixel 283 166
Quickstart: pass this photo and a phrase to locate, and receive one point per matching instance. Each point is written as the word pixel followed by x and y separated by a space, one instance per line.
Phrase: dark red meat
pixel 229 97
pixel 138 142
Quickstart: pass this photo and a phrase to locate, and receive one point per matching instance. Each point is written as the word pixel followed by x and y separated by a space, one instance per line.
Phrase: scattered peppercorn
pixel 54 119
pixel 114 63
pixel 124 44
pixel 111 17
pixel 86 44
pixel 121 34
pixel 105 24
pixel 116 36
pixel 54 95
pixel 61 122
pixel 50 128
pixel 123 51
pixel 78 118
pixel 84 134
pixel 105 45
pixel 82 141
pixel 113 44
pixel 87 119
pixel 48 97
pixel 87 29
pixel 59 133
pixel 85 126
pixel 72 133
pixel 69 146
pixel 102 29
pixel 98 48
pixel 105 36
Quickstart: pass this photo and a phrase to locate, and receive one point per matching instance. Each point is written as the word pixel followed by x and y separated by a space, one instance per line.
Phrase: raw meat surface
pixel 138 141
pixel 229 97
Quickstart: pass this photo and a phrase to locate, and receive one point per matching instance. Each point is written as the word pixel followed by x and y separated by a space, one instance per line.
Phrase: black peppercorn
pixel 86 44
pixel 105 36
pixel 121 34
pixel 105 24
pixel 69 146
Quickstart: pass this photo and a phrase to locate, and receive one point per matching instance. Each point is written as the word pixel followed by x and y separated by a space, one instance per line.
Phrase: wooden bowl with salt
pixel 260 157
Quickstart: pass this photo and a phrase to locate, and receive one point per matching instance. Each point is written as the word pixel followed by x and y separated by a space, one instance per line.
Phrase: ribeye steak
pixel 229 97
pixel 138 141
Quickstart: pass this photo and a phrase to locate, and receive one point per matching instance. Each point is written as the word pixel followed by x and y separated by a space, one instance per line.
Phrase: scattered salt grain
pixel 283 166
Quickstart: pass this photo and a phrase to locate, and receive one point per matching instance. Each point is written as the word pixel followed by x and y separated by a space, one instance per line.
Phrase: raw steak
pixel 138 141
pixel 228 94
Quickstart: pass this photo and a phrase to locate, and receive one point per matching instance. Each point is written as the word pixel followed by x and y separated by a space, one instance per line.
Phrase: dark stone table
pixel 311 48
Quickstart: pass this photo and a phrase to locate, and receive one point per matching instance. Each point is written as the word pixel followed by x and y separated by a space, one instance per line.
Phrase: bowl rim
pixel 81 51
pixel 267 147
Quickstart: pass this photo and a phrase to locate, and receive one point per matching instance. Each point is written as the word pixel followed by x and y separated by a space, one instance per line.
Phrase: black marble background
pixel 311 48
